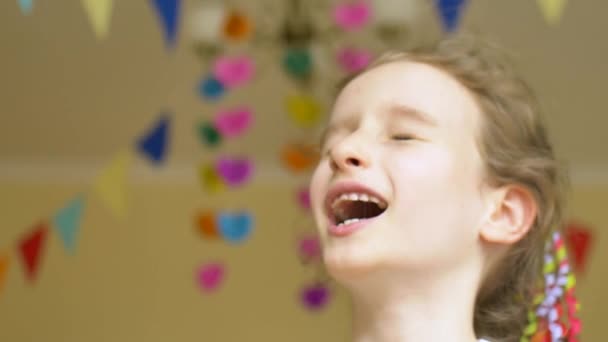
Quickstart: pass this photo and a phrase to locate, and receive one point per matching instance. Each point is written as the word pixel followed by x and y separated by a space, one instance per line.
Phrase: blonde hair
pixel 515 149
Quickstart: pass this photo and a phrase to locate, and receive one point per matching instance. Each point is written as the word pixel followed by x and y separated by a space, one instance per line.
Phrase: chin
pixel 348 263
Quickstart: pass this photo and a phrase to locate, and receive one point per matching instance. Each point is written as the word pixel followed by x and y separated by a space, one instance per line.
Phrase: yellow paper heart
pixel 304 110
pixel 210 179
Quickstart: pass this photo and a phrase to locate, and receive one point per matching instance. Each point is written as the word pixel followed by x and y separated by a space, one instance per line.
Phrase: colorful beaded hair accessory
pixel 553 317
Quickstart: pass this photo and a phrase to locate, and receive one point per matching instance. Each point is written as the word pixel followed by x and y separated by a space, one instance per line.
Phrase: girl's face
pixel 399 183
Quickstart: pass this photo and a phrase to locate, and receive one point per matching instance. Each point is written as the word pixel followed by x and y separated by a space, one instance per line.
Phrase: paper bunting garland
pixel 235 227
pixel 233 122
pixel 153 145
pixel 210 276
pixel 450 12
pixel 26 6
pixel 110 184
pixel 168 12
pixel 579 239
pixel 67 222
pixel 99 13
pixel 4 265
pixel 552 10
pixel 352 16
pixel 237 26
pixel 31 248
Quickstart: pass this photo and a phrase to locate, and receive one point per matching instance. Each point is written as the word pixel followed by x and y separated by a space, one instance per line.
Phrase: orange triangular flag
pixel 4 262
pixel 552 10
pixel 31 248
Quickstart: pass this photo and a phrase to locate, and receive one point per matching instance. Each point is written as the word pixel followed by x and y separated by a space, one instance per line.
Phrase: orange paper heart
pixel 206 225
pixel 237 26
pixel 299 157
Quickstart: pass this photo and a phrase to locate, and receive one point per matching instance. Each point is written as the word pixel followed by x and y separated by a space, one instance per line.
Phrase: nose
pixel 349 154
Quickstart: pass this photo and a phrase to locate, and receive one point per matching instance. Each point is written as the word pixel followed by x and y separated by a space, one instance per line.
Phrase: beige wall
pixel 70 102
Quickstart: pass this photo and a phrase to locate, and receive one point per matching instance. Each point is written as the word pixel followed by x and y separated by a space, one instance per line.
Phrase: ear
pixel 511 217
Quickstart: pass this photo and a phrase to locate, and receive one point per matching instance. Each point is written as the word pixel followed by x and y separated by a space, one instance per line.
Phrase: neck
pixel 422 307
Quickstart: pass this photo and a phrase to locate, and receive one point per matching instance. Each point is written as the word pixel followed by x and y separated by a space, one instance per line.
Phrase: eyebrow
pixel 410 112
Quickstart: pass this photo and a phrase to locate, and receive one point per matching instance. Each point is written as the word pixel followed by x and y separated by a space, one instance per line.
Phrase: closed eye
pixel 401 137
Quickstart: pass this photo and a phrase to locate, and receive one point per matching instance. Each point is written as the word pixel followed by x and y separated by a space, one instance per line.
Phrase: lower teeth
pixel 349 221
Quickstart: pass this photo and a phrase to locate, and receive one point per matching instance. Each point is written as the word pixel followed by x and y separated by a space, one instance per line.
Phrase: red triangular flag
pixel 31 248
pixel 578 239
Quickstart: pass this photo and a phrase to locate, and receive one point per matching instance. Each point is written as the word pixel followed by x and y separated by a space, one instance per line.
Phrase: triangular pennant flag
pixel 450 12
pixel 4 263
pixel 99 12
pixel 578 238
pixel 31 248
pixel 552 10
pixel 26 6
pixel 154 144
pixel 168 12
pixel 67 222
pixel 110 184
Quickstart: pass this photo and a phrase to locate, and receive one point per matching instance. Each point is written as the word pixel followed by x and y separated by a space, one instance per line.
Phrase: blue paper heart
pixel 235 227
pixel 211 89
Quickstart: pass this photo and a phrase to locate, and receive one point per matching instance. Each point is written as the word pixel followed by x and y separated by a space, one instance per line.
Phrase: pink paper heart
pixel 353 60
pixel 210 276
pixel 304 198
pixel 234 171
pixel 233 71
pixel 309 247
pixel 352 16
pixel 234 122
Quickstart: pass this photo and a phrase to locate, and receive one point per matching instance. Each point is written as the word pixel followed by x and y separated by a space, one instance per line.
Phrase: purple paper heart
pixel 315 297
pixel 234 122
pixel 210 276
pixel 234 171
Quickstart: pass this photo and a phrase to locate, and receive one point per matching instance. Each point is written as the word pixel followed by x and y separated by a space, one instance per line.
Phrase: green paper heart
pixel 208 134
pixel 298 63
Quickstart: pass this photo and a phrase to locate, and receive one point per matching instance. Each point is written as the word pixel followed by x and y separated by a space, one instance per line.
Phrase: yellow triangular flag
pixel 4 259
pixel 110 184
pixel 552 10
pixel 100 12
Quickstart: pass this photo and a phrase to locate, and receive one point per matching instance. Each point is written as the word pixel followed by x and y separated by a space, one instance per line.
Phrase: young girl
pixel 435 196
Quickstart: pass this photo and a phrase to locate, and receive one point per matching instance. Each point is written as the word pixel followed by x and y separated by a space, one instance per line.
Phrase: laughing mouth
pixel 353 206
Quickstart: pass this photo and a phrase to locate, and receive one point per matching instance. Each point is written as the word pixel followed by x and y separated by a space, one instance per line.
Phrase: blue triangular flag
pixel 168 12
pixel 67 222
pixel 26 6
pixel 450 12
pixel 154 144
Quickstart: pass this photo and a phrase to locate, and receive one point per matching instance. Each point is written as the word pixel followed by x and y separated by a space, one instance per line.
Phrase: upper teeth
pixel 355 196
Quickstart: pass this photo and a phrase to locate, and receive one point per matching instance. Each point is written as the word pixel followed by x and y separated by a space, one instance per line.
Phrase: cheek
pixel 318 186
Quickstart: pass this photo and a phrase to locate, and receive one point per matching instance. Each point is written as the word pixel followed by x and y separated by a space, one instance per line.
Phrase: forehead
pixel 419 86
